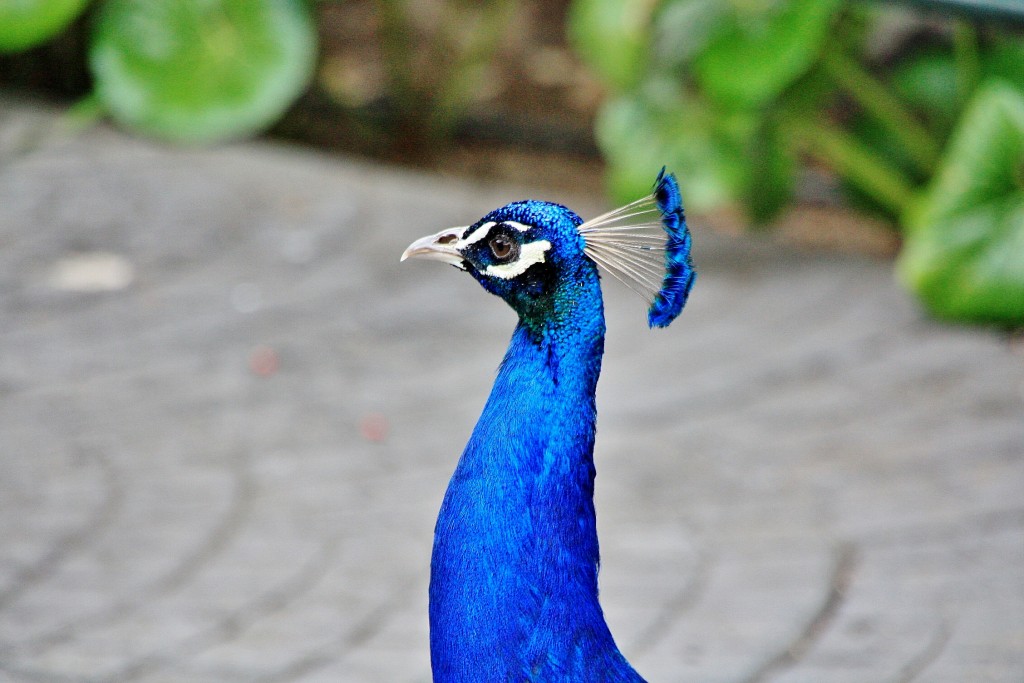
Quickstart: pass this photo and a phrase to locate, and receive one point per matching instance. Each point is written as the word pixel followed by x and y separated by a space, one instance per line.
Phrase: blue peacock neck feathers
pixel 513 588
pixel 514 568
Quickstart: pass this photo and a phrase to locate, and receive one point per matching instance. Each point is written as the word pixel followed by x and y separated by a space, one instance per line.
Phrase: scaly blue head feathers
pixel 523 252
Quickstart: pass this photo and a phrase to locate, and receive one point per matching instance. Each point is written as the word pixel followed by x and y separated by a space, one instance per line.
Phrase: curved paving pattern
pixel 228 469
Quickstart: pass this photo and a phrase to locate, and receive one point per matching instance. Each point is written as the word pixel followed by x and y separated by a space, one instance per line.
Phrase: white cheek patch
pixel 529 254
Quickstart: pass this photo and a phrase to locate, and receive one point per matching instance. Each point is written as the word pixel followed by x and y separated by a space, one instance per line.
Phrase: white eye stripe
pixel 485 229
pixel 529 254
pixel 477 235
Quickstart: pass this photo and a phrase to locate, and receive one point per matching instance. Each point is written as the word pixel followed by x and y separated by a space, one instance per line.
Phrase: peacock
pixel 513 582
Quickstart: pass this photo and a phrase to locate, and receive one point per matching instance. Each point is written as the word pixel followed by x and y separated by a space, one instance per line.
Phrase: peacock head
pixel 528 252
pixel 522 252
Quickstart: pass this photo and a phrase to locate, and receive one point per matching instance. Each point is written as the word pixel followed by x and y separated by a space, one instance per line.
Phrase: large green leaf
pixel 760 53
pixel 613 37
pixel 639 133
pixel 771 170
pixel 201 70
pixel 27 23
pixel 720 156
pixel 964 249
pixel 927 81
pixel 1005 59
pixel 683 28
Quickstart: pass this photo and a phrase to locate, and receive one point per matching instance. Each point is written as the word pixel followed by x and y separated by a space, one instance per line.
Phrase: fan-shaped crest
pixel 645 245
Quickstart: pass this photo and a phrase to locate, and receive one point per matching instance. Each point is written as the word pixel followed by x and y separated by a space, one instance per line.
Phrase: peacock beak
pixel 438 247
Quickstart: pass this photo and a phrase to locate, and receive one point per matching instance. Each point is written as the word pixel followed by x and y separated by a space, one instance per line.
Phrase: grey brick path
pixel 225 466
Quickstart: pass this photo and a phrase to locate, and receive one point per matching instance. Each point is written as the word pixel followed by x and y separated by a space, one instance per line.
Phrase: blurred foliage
pixel 433 67
pixel 738 95
pixel 964 250
pixel 200 71
pixel 26 23
pixel 190 71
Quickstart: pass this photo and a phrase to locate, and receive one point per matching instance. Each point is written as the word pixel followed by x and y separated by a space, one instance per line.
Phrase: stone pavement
pixel 228 415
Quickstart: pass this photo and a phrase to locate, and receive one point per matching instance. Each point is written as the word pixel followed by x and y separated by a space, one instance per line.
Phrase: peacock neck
pixel 513 592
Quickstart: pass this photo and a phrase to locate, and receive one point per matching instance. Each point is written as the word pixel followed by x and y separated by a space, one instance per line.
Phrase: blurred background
pixel 228 415
pixel 904 116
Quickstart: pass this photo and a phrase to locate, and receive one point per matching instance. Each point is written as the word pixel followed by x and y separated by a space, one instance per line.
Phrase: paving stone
pixel 224 463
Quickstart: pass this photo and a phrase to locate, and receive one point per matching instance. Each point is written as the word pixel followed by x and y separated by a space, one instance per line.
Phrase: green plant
pixel 433 58
pixel 25 23
pixel 189 71
pixel 739 94
pixel 964 250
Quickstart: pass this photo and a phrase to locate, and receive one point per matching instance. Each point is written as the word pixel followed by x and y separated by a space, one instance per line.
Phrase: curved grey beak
pixel 438 247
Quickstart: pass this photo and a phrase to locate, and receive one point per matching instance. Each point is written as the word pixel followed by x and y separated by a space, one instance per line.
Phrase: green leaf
pixel 613 38
pixel 927 81
pixel 872 135
pixel 640 133
pixel 772 172
pixel 683 28
pixel 27 23
pixel 964 249
pixel 760 53
pixel 1004 61
pixel 200 71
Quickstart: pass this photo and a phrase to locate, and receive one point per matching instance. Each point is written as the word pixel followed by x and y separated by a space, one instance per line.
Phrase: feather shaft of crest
pixel 629 262
pixel 630 280
pixel 628 229
pixel 639 265
pixel 637 242
pixel 645 245
pixel 616 214
pixel 645 279
pixel 635 234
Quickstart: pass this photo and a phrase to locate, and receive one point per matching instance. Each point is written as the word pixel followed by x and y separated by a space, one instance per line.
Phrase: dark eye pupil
pixel 501 247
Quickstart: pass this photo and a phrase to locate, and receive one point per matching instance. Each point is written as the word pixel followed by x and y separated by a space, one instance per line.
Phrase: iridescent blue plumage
pixel 513 587
pixel 679 272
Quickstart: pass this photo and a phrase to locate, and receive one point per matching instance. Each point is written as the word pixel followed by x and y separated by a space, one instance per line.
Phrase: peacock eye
pixel 502 247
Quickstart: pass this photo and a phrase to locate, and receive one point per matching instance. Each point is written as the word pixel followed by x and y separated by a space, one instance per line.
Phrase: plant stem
pixel 429 101
pixel 883 105
pixel 396 47
pixel 856 163
pixel 471 55
pixel 968 63
pixel 83 114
